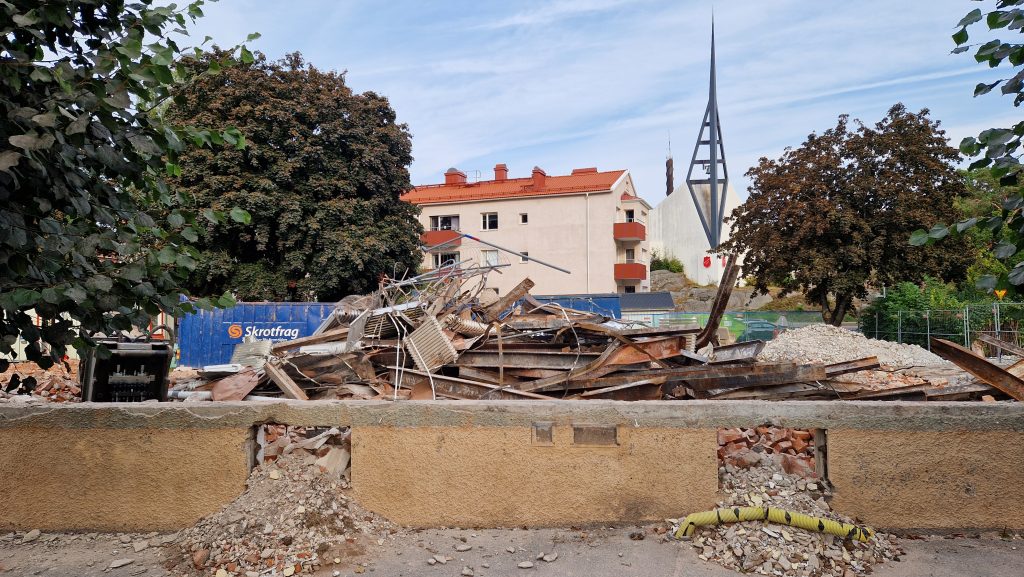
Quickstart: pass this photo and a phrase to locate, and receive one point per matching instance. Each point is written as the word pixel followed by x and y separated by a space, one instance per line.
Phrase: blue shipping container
pixel 209 337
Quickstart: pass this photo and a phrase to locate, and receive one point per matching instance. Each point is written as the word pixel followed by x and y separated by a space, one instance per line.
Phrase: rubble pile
pixel 780 550
pixel 294 512
pixel 821 343
pixel 27 381
pixel 444 335
pixel 792 448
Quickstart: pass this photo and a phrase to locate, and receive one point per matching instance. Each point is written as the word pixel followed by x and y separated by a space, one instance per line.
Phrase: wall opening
pixel 797 453
pixel 329 448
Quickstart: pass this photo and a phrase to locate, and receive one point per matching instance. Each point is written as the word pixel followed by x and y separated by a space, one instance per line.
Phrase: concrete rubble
pixel 779 550
pixel 293 514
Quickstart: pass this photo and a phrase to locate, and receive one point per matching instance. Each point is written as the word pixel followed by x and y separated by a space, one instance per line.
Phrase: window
pixel 629 289
pixel 490 221
pixel 450 222
pixel 523 257
pixel 445 258
pixel 489 257
pixel 630 254
pixel 524 218
pixel 630 215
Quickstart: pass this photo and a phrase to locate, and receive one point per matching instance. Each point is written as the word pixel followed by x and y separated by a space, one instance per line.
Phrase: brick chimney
pixel 500 172
pixel 454 176
pixel 539 176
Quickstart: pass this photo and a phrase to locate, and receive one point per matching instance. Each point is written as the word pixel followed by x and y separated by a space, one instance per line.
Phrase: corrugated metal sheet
pixel 602 304
pixel 209 337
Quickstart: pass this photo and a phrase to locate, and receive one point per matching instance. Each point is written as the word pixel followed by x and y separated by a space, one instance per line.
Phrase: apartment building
pixel 589 222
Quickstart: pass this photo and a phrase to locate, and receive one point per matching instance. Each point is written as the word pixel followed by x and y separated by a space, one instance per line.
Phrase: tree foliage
pixel 666 262
pixel 82 164
pixel 998 149
pixel 832 216
pixel 321 176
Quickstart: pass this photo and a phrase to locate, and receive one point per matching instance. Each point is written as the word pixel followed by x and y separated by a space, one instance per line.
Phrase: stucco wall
pixel 497 476
pixel 118 479
pixel 929 480
pixel 160 466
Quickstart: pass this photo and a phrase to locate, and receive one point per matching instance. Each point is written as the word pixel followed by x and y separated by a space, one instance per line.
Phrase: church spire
pixel 708 190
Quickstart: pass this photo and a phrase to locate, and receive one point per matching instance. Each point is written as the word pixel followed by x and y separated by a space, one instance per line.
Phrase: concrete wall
pixel 676 230
pixel 162 466
pixel 571 231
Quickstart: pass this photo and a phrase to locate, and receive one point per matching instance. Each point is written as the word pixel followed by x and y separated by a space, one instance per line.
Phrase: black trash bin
pixel 136 371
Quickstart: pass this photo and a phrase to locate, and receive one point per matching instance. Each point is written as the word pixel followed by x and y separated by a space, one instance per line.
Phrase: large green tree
pixel 83 156
pixel 321 176
pixel 831 217
pixel 998 149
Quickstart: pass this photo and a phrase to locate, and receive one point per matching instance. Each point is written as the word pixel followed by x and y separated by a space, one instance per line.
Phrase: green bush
pixel 667 262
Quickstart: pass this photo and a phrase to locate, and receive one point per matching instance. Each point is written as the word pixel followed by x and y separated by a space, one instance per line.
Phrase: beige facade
pixel 571 229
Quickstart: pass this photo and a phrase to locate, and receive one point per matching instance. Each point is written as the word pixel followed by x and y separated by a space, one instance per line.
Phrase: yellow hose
pixel 801 521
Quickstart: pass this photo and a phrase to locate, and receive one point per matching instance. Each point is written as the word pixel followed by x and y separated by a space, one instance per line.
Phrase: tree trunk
pixel 835 315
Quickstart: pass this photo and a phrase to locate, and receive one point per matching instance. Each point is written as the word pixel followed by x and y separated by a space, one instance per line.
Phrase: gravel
pixel 771 549
pixel 828 344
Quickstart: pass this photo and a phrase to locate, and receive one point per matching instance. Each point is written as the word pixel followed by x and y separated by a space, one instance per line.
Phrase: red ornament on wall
pixel 707 262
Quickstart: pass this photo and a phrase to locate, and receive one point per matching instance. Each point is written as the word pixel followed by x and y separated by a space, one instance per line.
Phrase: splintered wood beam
pixel 284 382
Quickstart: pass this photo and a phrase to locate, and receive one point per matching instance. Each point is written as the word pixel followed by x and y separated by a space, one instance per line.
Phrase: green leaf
pixel 167 255
pixel 1016 276
pixel 9 159
pixel 246 56
pixel 210 215
pixel 99 283
pixel 241 215
pixel 938 231
pixel 253 36
pixel 983 88
pixel 32 141
pixel 226 300
pixel 919 237
pixel 960 36
pixel 966 224
pixel 75 293
pixel 175 219
pixel 972 17
pixel 1004 250
pixel 189 234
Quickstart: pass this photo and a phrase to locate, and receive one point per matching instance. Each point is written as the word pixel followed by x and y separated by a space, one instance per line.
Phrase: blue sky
pixel 573 83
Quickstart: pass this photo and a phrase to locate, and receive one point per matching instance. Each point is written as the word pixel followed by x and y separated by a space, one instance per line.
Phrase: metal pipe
pixel 519 254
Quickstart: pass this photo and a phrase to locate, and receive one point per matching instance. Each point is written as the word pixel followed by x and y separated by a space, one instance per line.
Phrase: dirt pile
pixel 828 344
pixel 780 550
pixel 793 449
pixel 294 512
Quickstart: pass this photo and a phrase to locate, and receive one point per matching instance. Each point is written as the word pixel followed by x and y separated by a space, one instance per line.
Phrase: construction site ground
pixel 584 552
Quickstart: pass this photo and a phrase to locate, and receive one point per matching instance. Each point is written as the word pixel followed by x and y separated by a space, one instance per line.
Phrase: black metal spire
pixel 710 201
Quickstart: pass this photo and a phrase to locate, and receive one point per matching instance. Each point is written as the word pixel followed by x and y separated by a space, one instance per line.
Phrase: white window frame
pixel 523 258
pixel 484 224
pixel 485 257
pixel 453 222
pixel 439 258
pixel 524 218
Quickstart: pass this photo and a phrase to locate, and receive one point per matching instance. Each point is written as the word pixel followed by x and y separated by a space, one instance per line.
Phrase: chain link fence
pixel 1004 321
pixel 744 326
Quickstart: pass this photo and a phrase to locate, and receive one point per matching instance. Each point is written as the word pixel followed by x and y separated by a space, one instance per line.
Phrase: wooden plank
pixel 236 386
pixel 981 368
pixel 1001 344
pixel 865 364
pixel 465 389
pixel 284 382
pixel 492 312
pixel 324 337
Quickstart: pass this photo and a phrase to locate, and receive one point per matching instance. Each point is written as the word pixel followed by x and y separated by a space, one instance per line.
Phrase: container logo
pixel 275 332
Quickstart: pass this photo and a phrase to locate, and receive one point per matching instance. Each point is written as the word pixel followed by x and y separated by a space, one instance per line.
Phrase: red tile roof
pixel 513 188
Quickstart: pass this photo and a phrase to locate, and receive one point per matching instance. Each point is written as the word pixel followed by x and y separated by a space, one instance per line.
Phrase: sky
pixel 564 84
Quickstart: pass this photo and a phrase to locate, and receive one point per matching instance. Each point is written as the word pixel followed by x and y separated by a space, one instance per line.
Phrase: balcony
pixel 436 237
pixel 631 230
pixel 630 270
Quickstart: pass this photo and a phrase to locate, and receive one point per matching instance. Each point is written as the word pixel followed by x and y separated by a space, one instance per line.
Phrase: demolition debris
pixel 444 335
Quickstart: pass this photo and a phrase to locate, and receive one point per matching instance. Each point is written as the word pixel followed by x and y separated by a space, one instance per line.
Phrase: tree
pixel 321 175
pixel 82 161
pixel 832 216
pixel 1000 149
pixel 667 262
